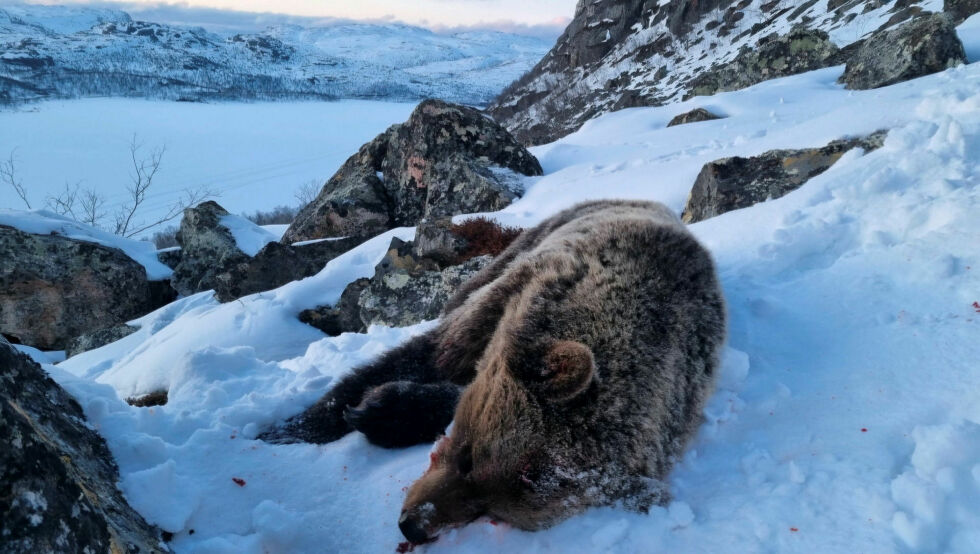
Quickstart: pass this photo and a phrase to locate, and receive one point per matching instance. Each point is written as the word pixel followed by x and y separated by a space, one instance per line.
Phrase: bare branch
pixel 8 174
pixel 308 192
pixel 92 208
pixel 189 199
pixel 65 202
pixel 144 170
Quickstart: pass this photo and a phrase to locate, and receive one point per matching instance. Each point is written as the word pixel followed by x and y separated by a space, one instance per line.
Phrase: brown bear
pixel 586 349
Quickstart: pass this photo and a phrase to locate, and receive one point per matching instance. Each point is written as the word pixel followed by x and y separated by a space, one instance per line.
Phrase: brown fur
pixel 587 349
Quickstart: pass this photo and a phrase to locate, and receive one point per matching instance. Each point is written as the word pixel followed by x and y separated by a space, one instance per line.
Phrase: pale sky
pixel 437 14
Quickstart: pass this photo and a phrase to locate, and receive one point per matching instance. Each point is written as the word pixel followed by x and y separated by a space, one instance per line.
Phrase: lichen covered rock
pixel 920 47
pixel 798 51
pixel 445 160
pixel 733 183
pixel 207 248
pixel 694 116
pixel 97 339
pixel 57 477
pixel 53 288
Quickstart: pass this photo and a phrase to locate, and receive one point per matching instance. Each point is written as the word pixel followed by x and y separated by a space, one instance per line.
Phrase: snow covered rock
pixel 693 116
pixel 277 264
pixel 57 477
pixel 445 160
pixel 920 47
pixel 799 51
pixel 54 288
pixel 344 316
pixel 96 339
pixel 733 183
pixel 207 247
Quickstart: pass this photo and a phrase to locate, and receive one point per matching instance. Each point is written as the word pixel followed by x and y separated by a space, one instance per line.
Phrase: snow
pixel 846 416
pixel 277 230
pixel 42 356
pixel 969 33
pixel 249 237
pixel 255 156
pixel 43 222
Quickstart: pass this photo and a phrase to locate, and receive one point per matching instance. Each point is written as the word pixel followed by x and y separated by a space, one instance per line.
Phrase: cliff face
pixel 621 54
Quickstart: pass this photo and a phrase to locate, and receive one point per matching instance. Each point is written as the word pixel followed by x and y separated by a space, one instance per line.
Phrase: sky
pixel 537 17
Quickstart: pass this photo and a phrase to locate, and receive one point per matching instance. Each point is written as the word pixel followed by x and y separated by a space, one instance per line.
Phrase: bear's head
pixel 504 458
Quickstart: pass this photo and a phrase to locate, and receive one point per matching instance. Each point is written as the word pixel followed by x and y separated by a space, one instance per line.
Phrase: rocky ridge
pixel 621 54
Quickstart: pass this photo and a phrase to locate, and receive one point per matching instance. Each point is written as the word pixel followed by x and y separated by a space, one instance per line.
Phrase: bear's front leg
pixel 324 421
pixel 403 413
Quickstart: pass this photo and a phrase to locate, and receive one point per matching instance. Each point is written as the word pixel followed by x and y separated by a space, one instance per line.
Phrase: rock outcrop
pixel 53 288
pixel 57 477
pixel 773 56
pixel 211 259
pixel 414 280
pixel 733 183
pixel 277 264
pixel 207 248
pixel 406 290
pixel 445 160
pixel 628 53
pixel 960 10
pixel 97 339
pixel 921 47
pixel 694 116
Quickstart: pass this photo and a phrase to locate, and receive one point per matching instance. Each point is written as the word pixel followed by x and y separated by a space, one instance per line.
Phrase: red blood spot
pixel 793 529
pixel 864 429
pixel 494 522
pixel 976 306
pixel 238 481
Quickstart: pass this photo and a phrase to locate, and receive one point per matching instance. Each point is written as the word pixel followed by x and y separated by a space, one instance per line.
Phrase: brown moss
pixel 484 236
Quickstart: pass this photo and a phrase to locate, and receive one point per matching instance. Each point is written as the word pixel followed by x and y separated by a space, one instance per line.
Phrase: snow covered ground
pixel 847 415
pixel 255 155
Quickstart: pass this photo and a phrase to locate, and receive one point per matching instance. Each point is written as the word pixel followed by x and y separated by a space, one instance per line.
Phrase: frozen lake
pixel 256 154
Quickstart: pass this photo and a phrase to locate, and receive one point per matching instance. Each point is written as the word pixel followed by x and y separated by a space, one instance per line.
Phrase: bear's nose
pixel 412 530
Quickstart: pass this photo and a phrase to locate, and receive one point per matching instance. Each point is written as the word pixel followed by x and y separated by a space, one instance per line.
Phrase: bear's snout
pixel 412 528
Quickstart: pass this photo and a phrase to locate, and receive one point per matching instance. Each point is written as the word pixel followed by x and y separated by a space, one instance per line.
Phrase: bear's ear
pixel 567 370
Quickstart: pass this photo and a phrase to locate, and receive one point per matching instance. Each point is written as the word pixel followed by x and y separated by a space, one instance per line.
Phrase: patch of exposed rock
pixel 733 183
pixel 414 281
pixel 694 116
pixel 97 339
pixel 207 248
pixel 277 264
pixel 960 10
pixel 921 47
pixel 210 258
pixel 53 288
pixel 445 160
pixel 57 477
pixel 773 56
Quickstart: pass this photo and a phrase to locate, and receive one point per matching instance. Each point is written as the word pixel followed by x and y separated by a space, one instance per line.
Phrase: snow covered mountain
pixel 67 52
pixel 621 54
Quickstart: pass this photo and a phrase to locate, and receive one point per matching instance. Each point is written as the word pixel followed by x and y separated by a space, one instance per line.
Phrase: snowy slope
pixel 847 415
pixel 67 52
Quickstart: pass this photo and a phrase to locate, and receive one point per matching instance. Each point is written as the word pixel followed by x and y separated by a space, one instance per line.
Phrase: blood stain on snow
pixel 976 306
pixel 238 481
pixel 793 529
pixel 864 429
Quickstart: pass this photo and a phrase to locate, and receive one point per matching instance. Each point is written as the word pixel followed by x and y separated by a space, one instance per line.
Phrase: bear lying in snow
pixel 586 350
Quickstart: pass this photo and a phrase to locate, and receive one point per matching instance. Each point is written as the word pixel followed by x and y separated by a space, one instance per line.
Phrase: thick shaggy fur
pixel 587 349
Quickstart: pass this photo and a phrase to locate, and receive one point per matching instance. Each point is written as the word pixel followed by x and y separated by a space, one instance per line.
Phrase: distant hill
pixel 69 52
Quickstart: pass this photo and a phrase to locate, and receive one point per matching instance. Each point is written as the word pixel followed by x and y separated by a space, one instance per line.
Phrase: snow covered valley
pixel 846 418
